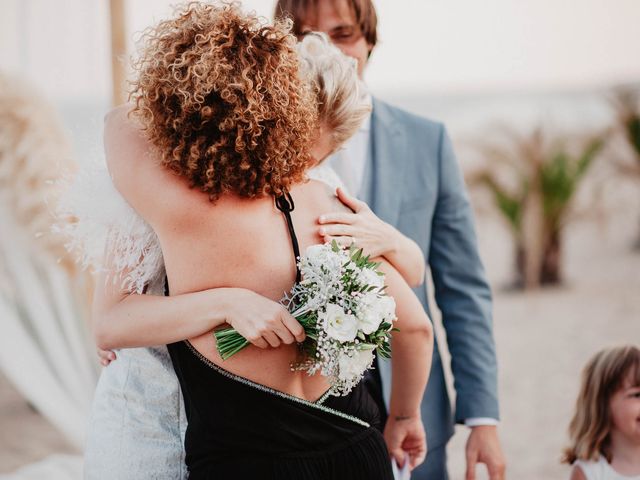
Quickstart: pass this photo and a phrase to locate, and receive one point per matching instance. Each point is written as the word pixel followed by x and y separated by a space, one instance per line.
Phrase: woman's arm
pixel 375 237
pixel 411 351
pixel 122 319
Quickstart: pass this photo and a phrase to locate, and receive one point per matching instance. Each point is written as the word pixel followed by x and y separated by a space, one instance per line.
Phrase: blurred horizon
pixel 436 47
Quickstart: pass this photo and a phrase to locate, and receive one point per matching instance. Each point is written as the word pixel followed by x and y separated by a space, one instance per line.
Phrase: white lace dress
pixel 137 422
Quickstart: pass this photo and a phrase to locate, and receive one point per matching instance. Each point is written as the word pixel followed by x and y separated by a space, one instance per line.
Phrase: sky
pixel 444 47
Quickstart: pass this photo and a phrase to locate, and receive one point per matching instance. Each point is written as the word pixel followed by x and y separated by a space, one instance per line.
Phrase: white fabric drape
pixel 44 347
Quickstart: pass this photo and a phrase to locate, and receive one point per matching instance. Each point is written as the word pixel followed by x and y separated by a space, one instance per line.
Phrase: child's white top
pixel 601 470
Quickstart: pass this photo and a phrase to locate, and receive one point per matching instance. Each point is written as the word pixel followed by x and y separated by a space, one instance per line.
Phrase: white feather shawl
pixel 106 233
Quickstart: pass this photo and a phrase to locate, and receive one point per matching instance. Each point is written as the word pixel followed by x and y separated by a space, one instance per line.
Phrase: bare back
pixel 233 242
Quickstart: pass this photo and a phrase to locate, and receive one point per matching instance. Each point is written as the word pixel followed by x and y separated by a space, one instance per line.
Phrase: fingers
pixel 269 326
pixel 258 342
pixel 289 329
pixel 417 457
pixel 398 455
pixel 472 460
pixel 483 446
pixel 337 217
pixel 271 338
pixel 341 241
pixel 495 475
pixel 351 202
pixel 336 230
pixel 294 327
pixel 417 452
pixel 284 334
pixel 415 446
pixel 106 356
pixel 496 470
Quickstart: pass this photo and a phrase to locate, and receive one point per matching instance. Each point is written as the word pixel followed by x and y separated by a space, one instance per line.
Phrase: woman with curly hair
pixel 211 155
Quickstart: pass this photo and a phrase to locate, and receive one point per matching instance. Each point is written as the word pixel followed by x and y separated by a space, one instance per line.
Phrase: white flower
pixel 315 253
pixel 317 256
pixel 368 276
pixel 338 324
pixel 370 313
pixel 388 308
pixel 353 365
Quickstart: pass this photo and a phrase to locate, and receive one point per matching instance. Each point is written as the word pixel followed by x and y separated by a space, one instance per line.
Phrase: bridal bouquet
pixel 344 311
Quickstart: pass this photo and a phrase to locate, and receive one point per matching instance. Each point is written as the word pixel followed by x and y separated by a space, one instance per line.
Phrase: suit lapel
pixel 384 187
pixel 385 172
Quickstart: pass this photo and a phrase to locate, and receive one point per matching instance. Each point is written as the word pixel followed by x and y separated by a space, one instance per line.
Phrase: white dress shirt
pixel 351 160
pixel 349 163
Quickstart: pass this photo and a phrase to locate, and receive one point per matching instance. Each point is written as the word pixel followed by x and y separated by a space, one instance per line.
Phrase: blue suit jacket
pixel 413 182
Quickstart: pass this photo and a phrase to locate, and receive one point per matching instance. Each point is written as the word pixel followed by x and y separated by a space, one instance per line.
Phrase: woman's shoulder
pixel 119 123
pixel 317 197
pixel 123 137
pixel 133 164
pixel 118 113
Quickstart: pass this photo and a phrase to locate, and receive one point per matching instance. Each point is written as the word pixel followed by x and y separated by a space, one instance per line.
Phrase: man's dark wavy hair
pixel 363 10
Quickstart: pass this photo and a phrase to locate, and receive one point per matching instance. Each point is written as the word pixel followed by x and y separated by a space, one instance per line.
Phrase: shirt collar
pixel 365 127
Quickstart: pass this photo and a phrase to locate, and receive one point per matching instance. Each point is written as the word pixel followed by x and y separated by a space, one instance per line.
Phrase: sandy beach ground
pixel 543 340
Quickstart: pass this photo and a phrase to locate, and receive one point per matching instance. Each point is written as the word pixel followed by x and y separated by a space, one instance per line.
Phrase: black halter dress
pixel 239 429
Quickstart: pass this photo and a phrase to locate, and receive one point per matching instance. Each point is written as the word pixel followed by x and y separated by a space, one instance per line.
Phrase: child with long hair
pixel 605 429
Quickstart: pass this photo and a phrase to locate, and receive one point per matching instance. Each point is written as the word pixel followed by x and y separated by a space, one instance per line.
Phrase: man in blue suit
pixel 404 167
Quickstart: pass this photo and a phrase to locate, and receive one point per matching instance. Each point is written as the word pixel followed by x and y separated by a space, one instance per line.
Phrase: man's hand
pixel 483 446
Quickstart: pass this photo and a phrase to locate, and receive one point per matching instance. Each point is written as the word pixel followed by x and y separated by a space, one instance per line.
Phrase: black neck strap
pixel 285 204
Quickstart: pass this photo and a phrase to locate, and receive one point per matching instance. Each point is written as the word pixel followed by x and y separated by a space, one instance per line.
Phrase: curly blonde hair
pixel 343 103
pixel 219 95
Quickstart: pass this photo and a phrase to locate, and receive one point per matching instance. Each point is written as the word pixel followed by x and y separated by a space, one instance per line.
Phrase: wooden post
pixel 118 51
